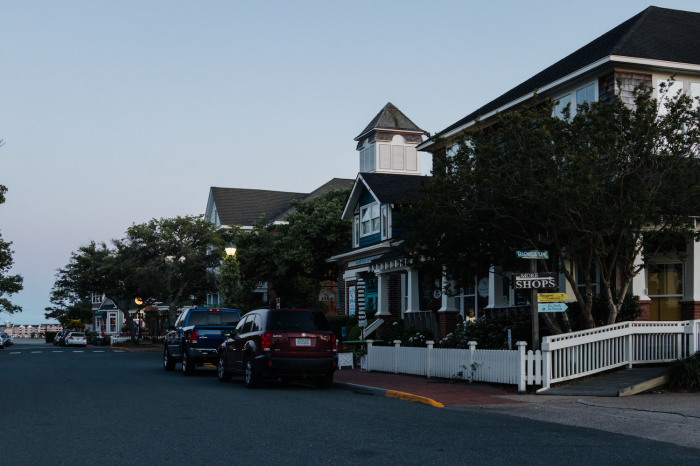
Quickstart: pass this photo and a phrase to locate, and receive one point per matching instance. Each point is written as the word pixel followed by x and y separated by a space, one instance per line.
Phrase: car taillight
pixel 194 336
pixel 334 342
pixel 266 341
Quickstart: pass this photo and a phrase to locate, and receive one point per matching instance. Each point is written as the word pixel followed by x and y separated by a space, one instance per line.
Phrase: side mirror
pixel 227 334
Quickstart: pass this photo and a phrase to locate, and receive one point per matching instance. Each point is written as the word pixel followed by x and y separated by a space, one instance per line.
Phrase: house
pixel 648 48
pixel 228 207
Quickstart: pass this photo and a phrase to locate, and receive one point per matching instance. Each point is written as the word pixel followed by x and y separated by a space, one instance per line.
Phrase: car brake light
pixel 194 337
pixel 334 342
pixel 266 341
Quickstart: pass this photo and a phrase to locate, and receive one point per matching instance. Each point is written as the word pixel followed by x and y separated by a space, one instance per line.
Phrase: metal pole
pixel 535 315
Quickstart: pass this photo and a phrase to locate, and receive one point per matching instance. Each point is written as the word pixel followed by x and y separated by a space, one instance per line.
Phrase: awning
pixel 101 314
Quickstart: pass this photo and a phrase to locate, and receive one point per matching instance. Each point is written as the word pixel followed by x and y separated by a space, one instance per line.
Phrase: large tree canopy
pixel 9 284
pixel 611 185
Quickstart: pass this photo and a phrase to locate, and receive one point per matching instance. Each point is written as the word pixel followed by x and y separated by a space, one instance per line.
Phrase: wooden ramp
pixel 624 382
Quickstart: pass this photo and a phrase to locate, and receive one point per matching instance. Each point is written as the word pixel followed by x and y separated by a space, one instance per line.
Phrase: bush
pixel 396 329
pixel 338 322
pixel 49 336
pixel 354 333
pixel 492 333
pixel 684 374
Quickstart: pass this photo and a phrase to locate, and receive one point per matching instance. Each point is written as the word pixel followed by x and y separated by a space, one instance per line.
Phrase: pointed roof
pixel 390 118
pixel 655 33
pixel 335 183
pixel 237 206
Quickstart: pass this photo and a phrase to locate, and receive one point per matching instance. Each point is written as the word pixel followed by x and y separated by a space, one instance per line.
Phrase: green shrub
pixel 492 333
pixel 684 374
pixel 338 322
pixel 354 333
pixel 396 329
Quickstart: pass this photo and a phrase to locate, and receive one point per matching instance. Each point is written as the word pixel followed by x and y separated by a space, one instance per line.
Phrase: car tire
pixel 188 366
pixel 252 379
pixel 168 362
pixel 325 382
pixel 221 373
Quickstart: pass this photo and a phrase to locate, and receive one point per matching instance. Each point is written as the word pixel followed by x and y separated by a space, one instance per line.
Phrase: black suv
pixel 280 343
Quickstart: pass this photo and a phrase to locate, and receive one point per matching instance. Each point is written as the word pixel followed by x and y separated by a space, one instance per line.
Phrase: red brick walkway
pixel 437 389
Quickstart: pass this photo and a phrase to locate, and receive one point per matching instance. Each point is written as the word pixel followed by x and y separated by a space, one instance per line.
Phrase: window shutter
pixel 411 159
pixel 385 156
pixel 397 155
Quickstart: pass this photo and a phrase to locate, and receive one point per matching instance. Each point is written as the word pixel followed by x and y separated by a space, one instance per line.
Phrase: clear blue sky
pixel 117 112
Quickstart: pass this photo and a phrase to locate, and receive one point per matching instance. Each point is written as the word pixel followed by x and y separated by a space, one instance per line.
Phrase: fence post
pixel 397 344
pixel 522 385
pixel 546 365
pixel 430 344
pixel 369 351
pixel 692 337
pixel 470 369
pixel 630 349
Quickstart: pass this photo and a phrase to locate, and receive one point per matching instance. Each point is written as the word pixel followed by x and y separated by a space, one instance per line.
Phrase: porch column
pixel 639 288
pixel 690 304
pixel 412 291
pixel 448 312
pixel 382 295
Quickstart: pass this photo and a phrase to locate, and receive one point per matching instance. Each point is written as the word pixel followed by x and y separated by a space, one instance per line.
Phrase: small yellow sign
pixel 551 297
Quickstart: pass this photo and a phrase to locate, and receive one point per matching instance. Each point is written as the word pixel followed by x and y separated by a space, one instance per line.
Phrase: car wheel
pixel 168 363
pixel 221 373
pixel 187 365
pixel 252 380
pixel 325 382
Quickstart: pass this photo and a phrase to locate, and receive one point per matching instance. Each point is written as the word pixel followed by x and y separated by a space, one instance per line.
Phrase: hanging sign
pixel 483 287
pixel 437 294
pixel 552 307
pixel 529 281
pixel 351 300
pixel 551 297
pixel 533 254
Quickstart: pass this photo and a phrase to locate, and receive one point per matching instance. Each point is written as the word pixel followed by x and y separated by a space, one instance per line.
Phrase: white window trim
pixel 572 93
pixel 356 228
pixel 371 231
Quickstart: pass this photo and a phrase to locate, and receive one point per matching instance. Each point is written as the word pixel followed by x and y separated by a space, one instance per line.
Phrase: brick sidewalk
pixel 437 389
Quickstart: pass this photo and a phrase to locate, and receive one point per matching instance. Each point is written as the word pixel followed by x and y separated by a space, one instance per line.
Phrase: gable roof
pixel 335 183
pixel 237 206
pixel 655 33
pixel 387 188
pixel 390 118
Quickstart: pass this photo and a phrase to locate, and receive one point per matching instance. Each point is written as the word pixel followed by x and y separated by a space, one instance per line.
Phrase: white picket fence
pixel 563 357
pixel 498 366
pixel 113 339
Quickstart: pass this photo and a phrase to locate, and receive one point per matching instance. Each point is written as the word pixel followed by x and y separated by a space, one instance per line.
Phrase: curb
pixel 387 393
pixel 118 347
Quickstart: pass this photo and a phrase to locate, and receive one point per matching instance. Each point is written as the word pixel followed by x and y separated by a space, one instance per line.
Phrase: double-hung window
pixel 369 219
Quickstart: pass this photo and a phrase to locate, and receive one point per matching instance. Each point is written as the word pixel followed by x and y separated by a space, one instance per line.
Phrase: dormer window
pixel 369 219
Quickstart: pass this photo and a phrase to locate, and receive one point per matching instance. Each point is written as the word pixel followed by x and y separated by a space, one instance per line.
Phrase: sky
pixel 117 112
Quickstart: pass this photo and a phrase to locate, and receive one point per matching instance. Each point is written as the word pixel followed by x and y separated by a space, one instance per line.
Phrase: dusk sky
pixel 117 112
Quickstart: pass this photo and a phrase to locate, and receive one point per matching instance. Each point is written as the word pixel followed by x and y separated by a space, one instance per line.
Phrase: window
pixel 369 219
pixel 561 104
pixel 670 93
pixel 585 94
pixel 356 231
pixel 385 222
pixel 466 302
pixel 665 287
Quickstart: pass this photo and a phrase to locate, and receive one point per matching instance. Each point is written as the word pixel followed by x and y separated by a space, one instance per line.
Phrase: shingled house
pixel 648 48
pixel 243 207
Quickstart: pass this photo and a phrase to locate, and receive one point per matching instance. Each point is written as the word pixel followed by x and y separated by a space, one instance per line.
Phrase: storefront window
pixel 665 287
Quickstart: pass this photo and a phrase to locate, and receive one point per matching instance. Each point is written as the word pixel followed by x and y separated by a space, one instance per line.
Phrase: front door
pixel 665 285
pixel 371 293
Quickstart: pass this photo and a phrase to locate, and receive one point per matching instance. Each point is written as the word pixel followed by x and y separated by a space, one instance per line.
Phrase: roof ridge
pixel 643 16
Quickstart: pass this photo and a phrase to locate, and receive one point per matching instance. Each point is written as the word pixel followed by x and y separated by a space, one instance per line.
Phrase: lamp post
pixel 230 249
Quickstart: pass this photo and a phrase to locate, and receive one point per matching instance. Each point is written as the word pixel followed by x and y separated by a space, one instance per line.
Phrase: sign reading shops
pixel 534 281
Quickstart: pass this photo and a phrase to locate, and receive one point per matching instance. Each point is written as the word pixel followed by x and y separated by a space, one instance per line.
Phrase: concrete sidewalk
pixel 440 390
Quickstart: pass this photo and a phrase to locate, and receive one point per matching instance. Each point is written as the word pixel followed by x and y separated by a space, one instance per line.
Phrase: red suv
pixel 280 343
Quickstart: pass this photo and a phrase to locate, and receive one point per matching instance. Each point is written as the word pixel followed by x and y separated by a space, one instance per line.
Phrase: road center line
pixel 98 351
pixel 78 351
pixel 57 351
pixel 33 352
pixel 16 352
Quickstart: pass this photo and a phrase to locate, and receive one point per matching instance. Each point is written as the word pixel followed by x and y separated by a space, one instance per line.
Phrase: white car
pixel 75 339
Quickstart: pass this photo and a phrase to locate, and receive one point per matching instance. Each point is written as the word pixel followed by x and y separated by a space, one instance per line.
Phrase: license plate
pixel 303 341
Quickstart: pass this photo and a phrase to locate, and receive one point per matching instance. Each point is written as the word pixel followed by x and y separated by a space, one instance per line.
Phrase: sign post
pixel 278 303
pixel 533 256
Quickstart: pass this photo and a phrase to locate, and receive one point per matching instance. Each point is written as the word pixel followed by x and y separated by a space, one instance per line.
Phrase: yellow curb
pixel 119 347
pixel 209 365
pixel 410 397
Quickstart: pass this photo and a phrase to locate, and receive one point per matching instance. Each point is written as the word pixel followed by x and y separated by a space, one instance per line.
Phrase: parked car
pixel 62 340
pixel 75 339
pixel 196 337
pixel 5 340
pixel 57 337
pixel 280 343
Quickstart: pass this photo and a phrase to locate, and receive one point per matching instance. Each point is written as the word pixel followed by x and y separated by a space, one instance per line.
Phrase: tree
pixel 292 256
pixel 180 254
pixel 9 284
pixel 228 283
pixel 602 189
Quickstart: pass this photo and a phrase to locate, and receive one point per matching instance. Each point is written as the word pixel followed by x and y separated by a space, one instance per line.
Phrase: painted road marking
pixel 119 351
pixel 16 352
pixel 78 351
pixel 57 351
pixel 36 352
pixel 98 351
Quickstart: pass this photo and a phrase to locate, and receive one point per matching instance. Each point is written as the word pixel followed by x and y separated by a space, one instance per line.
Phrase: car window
pixel 258 322
pixel 248 324
pixel 239 327
pixel 212 318
pixel 78 335
pixel 178 322
pixel 255 323
pixel 305 321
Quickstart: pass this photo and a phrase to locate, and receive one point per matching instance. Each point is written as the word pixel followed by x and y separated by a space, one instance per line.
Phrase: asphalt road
pixel 83 407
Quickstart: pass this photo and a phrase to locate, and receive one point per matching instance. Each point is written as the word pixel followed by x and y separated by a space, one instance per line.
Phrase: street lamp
pixel 230 249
